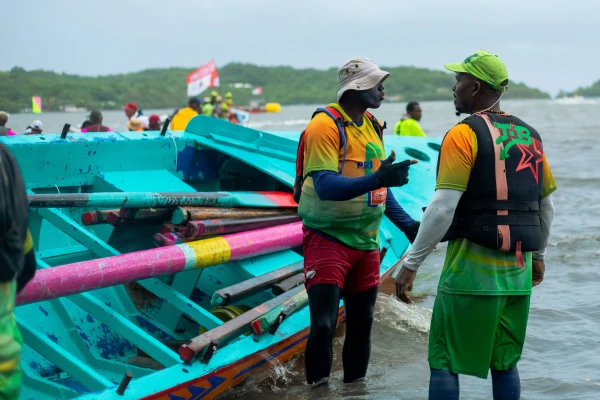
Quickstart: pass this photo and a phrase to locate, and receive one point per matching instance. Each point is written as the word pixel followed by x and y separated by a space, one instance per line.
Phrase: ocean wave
pixel 401 316
pixel 573 239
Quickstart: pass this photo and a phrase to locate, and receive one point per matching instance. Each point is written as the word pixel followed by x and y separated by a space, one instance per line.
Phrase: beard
pixel 370 98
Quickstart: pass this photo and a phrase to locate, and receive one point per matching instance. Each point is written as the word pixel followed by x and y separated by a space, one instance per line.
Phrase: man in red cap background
pixel 154 123
pixel 132 111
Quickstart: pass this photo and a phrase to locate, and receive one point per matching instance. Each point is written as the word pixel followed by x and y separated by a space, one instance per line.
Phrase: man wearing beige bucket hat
pixel 342 181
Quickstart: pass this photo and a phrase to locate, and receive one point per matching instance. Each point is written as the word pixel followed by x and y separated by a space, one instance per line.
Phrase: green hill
pixel 588 91
pixel 166 88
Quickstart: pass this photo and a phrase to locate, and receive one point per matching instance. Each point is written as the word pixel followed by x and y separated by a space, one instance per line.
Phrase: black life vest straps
pixel 501 207
pixel 341 125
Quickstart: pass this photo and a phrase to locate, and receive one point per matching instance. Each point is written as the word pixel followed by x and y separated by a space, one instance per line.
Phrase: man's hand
pixel 393 175
pixel 538 267
pixel 404 284
pixel 389 160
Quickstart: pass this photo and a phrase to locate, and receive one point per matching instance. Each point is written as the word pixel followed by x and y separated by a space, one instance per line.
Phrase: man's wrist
pixel 539 255
pixel 410 265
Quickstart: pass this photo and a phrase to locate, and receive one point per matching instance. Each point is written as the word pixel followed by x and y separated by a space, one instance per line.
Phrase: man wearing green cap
pixel 493 204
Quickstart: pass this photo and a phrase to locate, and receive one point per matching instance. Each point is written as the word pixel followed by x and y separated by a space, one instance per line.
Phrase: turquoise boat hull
pixel 81 345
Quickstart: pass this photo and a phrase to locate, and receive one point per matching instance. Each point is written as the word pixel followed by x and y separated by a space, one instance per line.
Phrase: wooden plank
pixel 162 199
pixel 183 215
pixel 253 285
pixel 289 283
pixel 271 320
pixel 207 343
pixel 196 229
pixel 94 274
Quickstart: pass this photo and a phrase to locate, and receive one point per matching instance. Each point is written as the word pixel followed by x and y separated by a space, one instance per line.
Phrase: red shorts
pixel 352 270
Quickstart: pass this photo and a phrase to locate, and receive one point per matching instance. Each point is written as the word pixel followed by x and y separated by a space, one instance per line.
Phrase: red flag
pixel 257 91
pixel 203 78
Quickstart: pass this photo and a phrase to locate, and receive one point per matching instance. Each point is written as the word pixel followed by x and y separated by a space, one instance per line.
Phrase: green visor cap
pixel 486 66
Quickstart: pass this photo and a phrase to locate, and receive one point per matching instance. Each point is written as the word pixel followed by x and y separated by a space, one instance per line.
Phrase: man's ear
pixel 476 88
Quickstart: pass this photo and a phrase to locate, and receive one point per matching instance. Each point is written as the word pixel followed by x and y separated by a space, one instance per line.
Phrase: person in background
pixel 220 109
pixel 410 126
pixel 154 123
pixel 229 99
pixel 95 123
pixel 4 131
pixel 226 108
pixel 214 95
pixel 341 212
pixel 493 204
pixel 135 125
pixel 35 128
pixel 207 109
pixel 17 268
pixel 132 111
pixel 183 116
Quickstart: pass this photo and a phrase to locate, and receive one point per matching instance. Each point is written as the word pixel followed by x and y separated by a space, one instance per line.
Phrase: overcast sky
pixel 548 47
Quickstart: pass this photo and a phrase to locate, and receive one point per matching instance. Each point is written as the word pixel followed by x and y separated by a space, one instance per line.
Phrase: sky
pixel 545 46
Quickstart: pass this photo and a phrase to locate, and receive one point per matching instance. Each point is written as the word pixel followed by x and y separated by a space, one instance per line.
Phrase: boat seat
pixel 158 180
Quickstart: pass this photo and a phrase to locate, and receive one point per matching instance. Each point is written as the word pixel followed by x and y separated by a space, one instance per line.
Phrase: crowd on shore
pixel 213 106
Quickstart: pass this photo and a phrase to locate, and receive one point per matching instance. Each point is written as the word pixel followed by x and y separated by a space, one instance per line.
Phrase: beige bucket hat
pixel 359 73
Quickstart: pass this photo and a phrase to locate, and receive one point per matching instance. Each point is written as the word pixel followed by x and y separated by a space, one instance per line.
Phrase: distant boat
pixel 574 100
pixel 72 108
pixel 36 105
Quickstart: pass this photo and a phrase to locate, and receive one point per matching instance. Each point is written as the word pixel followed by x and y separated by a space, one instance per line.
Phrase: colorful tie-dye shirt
pixel 470 268
pixel 354 222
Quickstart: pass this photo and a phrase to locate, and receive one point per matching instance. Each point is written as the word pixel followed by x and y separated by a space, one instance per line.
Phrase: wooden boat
pixel 109 315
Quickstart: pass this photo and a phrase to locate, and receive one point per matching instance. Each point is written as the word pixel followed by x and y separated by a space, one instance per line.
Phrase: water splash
pixel 401 316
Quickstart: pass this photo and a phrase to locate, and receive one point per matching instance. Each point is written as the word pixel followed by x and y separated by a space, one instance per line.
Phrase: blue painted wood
pixel 126 329
pixel 34 388
pixel 46 160
pixel 184 283
pixel 136 181
pixel 181 303
pixel 255 141
pixel 64 360
pixel 62 251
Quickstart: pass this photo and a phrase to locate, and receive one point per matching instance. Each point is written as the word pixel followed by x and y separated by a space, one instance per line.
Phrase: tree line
pixel 166 88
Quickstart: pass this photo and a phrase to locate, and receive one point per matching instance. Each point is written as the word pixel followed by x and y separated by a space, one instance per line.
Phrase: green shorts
pixel 472 333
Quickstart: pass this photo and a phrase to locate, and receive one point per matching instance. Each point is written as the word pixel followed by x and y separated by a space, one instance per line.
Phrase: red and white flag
pixel 201 79
pixel 257 91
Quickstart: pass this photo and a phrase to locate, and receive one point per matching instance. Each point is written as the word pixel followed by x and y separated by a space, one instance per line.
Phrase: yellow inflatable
pixel 272 107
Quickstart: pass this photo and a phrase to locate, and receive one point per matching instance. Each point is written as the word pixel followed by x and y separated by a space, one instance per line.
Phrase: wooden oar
pixel 253 285
pixel 146 213
pixel 271 320
pixel 170 238
pixel 196 229
pixel 96 217
pixel 206 345
pixel 103 272
pixel 163 199
pixel 183 215
pixel 288 284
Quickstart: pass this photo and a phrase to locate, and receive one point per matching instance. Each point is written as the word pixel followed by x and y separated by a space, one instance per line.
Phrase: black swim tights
pixel 323 301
